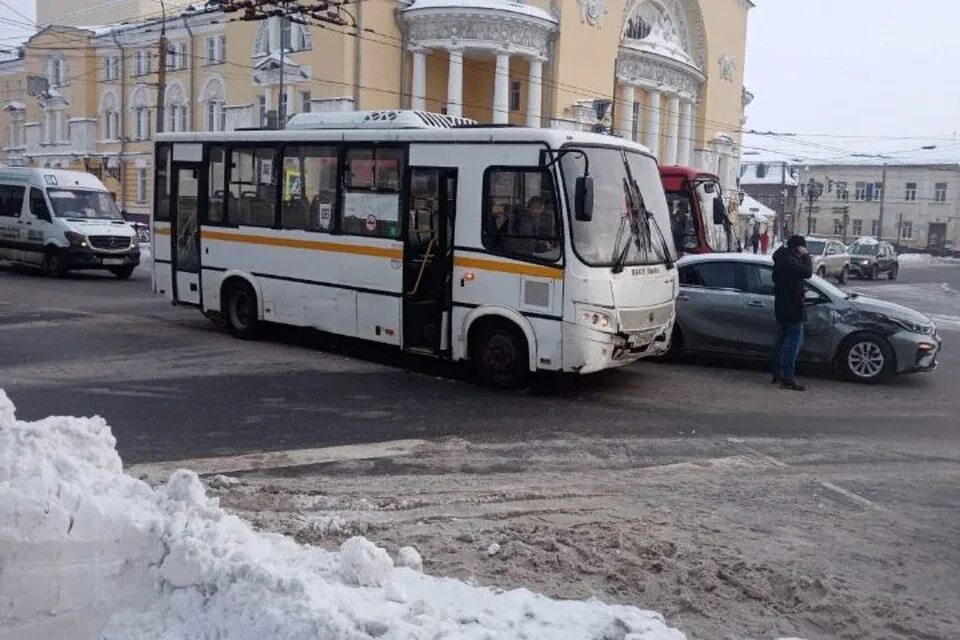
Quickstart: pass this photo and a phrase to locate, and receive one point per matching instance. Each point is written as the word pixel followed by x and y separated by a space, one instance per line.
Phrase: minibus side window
pixel 38 205
pixel 11 200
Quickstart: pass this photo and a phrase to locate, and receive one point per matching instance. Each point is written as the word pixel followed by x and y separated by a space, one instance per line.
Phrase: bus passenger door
pixel 185 232
pixel 428 260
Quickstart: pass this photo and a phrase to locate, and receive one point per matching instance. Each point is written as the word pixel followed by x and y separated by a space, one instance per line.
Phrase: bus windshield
pixel 683 223
pixel 83 204
pixel 718 236
pixel 596 241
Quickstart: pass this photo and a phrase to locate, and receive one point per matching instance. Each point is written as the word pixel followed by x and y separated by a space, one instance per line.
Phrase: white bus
pixel 63 220
pixel 514 249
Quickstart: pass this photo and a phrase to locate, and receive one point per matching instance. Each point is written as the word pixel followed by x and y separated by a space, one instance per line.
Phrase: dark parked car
pixel 873 259
pixel 725 306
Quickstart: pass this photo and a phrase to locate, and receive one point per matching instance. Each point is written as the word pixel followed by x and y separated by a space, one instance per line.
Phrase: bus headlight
pixel 76 239
pixel 598 319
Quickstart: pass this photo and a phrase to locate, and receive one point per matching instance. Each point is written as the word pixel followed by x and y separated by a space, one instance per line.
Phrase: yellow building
pixel 668 73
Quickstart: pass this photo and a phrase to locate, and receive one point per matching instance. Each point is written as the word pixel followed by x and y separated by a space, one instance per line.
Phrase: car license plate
pixel 112 261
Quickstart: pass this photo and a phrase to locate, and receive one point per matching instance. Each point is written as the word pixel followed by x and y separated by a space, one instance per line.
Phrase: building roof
pixel 511 6
pixel 773 173
pixel 761 213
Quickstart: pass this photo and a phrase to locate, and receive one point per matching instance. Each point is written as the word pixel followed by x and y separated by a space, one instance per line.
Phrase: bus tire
pixel 499 354
pixel 240 309
pixel 53 265
pixel 122 273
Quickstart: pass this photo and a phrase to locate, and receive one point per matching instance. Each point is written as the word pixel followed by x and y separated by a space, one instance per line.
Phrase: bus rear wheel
pixel 499 355
pixel 240 310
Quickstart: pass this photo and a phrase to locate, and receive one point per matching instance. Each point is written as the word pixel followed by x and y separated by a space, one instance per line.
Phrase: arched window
pixel 213 100
pixel 637 28
pixel 176 109
pixel 142 112
pixel 109 117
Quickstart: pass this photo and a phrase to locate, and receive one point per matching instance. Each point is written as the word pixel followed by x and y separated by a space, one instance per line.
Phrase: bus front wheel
pixel 499 355
pixel 240 310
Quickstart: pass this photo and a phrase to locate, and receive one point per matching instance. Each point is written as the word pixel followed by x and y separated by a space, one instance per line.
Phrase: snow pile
pixel 88 552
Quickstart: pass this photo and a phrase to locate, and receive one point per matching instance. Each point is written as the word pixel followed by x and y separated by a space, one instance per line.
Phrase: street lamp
pixel 813 189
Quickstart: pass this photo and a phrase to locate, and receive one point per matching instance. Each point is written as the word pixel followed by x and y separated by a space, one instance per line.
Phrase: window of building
pixel 176 108
pixel 142 176
pixel 857 227
pixel 940 192
pixel 761 171
pixel 213 99
pixel 305 102
pixel 520 214
pixel 111 68
pixel 860 191
pixel 11 200
pixel 875 228
pixel 637 120
pixel 285 104
pixel 56 71
pixel 217 178
pixel 253 187
pixel 515 88
pixel 262 110
pixel 216 50
pixel 910 193
pixel 878 191
pixel 309 196
pixel 837 227
pixel 141 62
pixel 906 229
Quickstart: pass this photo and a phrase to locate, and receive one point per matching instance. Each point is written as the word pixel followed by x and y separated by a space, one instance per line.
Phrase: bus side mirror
pixel 583 200
pixel 719 211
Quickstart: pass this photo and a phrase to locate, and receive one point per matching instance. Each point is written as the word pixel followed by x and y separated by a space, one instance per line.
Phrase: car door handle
pixel 756 304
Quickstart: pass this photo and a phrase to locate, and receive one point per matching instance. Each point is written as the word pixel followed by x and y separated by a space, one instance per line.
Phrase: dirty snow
pixel 169 562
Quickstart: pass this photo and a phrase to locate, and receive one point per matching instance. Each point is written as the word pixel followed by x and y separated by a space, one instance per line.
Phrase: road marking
pixel 159 471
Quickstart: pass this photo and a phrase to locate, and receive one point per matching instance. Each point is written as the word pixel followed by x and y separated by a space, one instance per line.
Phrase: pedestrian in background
pixel 792 266
pixel 765 241
pixel 755 237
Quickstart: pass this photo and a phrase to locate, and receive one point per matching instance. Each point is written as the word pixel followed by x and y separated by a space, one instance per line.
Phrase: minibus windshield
pixel 83 204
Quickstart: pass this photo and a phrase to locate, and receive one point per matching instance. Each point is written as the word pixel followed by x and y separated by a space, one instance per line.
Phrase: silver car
pixel 830 258
pixel 726 306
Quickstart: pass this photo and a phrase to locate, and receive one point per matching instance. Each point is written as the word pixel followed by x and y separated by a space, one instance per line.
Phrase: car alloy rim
pixel 866 359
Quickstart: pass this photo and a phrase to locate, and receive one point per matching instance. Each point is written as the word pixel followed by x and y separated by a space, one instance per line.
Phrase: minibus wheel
pixel 53 264
pixel 240 309
pixel 499 355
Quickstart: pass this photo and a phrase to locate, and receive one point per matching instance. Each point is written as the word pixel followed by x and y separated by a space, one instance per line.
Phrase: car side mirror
pixel 583 200
pixel 719 211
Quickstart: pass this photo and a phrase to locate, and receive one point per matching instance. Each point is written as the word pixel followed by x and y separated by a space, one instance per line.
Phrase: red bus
pixel 698 217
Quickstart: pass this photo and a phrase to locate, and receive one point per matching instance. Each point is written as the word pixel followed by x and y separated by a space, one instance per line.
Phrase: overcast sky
pixel 875 68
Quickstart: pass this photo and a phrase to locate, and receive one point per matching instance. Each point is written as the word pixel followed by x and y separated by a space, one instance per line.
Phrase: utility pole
pixel 282 97
pixel 162 71
pixel 899 230
pixel 883 197
pixel 780 233
pixel 814 191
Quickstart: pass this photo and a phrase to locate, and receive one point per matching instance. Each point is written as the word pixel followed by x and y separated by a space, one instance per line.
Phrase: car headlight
pixel 598 319
pixel 76 239
pixel 926 329
pixel 864 262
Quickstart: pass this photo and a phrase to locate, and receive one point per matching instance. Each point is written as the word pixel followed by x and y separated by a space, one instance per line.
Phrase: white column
pixel 418 98
pixel 653 122
pixel 627 98
pixel 671 148
pixel 692 127
pixel 686 132
pixel 455 84
pixel 535 92
pixel 501 90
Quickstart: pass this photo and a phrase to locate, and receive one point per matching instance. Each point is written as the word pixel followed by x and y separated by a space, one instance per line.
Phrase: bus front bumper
pixel 587 350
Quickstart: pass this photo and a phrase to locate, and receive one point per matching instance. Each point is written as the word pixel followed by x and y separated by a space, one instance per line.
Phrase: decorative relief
pixel 728 67
pixel 592 12
pixel 676 22
pixel 637 69
pixel 503 32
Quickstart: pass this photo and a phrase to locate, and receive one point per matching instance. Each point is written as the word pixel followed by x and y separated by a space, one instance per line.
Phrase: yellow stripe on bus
pixel 509 267
pixel 161 231
pixel 298 243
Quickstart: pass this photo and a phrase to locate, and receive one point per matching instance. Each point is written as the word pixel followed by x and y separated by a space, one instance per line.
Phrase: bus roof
pixel 687 173
pixel 351 131
pixel 51 178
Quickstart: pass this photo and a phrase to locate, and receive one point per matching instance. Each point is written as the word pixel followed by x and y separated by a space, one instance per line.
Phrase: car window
pixel 713 275
pixel 813 295
pixel 759 279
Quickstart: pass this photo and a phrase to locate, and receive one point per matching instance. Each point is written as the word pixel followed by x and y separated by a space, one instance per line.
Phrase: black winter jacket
pixel 790 270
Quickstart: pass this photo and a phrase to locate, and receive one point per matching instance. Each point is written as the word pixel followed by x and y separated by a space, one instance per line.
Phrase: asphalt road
pixel 173 386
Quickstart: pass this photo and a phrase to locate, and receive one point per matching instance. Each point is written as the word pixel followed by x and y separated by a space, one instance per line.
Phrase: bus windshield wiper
pixel 639 210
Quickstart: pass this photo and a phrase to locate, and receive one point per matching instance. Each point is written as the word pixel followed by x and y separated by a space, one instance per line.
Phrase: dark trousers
pixel 787 350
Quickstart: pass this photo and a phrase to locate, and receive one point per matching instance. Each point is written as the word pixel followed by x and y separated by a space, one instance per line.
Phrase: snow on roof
pixel 512 6
pixel 773 173
pixel 760 212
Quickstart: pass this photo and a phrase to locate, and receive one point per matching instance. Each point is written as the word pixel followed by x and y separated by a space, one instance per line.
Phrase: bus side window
pixel 520 216
pixel 371 201
pixel 217 193
pixel 253 187
pixel 309 197
pixel 162 206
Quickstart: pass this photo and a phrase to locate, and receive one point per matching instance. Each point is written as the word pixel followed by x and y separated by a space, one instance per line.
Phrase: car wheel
pixel 873 272
pixel 894 272
pixel 500 356
pixel 240 310
pixel 122 272
pixel 844 275
pixel 865 358
pixel 53 264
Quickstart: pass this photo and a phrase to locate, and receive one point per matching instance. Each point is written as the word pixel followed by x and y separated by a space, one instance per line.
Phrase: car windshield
pixel 864 249
pixel 595 242
pixel 815 247
pixel 83 203
pixel 828 288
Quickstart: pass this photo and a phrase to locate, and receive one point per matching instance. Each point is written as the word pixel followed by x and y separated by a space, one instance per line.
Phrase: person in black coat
pixel 792 266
